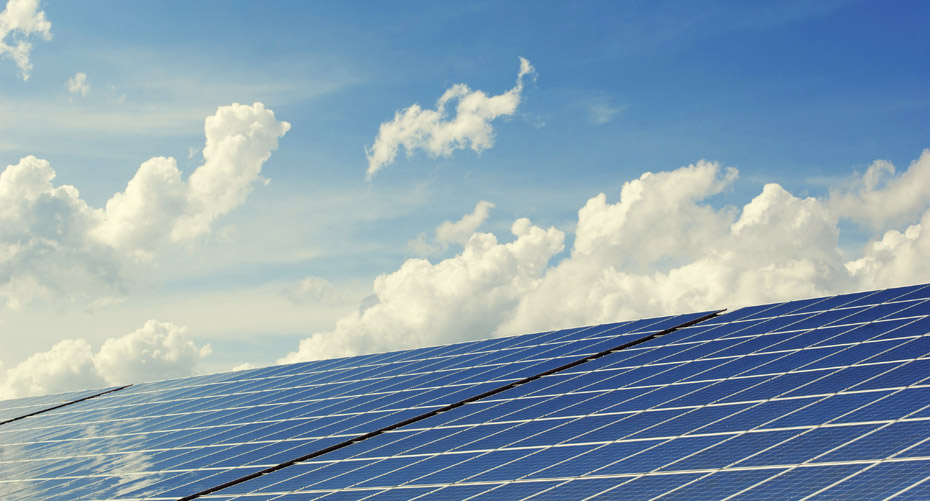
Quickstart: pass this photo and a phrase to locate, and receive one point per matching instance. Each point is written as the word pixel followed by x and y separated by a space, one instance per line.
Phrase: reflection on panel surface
pixel 812 397
pixel 174 438
pixel 826 397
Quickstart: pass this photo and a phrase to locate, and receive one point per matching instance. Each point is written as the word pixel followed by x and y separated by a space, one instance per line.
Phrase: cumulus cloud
pixel 625 235
pixel 661 248
pixel 53 244
pixel 439 134
pixel 453 232
pixel 20 20
pixel 899 257
pixel 780 247
pixel 460 231
pixel 159 206
pixel 78 84
pixel 424 303
pixel 46 250
pixel 158 350
pixel 878 199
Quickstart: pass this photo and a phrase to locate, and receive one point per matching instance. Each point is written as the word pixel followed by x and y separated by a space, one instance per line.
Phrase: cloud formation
pixel 422 303
pixel 438 134
pixel 20 20
pixel 158 350
pixel 452 232
pixel 878 199
pixel 53 244
pixel 661 248
pixel 898 257
pixel 312 289
pixel 459 231
pixel 78 84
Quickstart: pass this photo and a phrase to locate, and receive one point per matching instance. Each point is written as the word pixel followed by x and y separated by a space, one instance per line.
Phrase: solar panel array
pixel 175 438
pixel 819 398
pixel 13 410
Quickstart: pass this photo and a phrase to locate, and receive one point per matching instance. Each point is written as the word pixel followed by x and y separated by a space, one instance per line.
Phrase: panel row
pixel 174 438
pixel 777 401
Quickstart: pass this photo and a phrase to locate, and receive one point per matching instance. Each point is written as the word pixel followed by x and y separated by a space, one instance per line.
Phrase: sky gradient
pixel 188 187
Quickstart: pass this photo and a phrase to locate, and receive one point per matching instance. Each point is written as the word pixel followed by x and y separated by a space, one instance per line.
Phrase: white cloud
pixel 624 235
pixel 78 84
pixel 19 20
pixel 45 246
pixel 158 350
pixel 897 258
pixel 158 206
pixel 243 367
pixel 877 199
pixel 52 244
pixel 600 112
pixel 69 365
pixel 313 289
pixel 437 133
pixel 660 249
pixel 459 231
pixel 452 232
pixel 452 300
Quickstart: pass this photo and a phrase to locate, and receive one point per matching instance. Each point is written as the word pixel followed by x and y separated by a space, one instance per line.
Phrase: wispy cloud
pixel 78 84
pixel 452 232
pixel 435 132
pixel 19 21
pixel 312 289
pixel 157 92
pixel 601 112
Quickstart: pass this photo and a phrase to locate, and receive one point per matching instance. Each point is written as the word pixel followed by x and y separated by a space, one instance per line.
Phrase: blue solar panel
pixel 800 482
pixel 15 409
pixel 820 397
pixel 880 481
pixel 723 483
pixel 615 411
pixel 193 434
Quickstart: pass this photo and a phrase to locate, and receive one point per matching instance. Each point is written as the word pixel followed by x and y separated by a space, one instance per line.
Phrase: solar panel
pixel 825 397
pixel 175 438
pixel 15 409
pixel 720 408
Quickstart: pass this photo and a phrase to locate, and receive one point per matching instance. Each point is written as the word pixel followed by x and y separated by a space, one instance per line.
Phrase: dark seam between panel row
pixel 449 407
pixel 59 406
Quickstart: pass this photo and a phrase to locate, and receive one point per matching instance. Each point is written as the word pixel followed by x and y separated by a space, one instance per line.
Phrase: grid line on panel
pixel 825 397
pixel 200 439
pixel 555 481
pixel 257 390
pixel 842 371
pixel 454 405
pixel 64 404
pixel 904 491
pixel 840 481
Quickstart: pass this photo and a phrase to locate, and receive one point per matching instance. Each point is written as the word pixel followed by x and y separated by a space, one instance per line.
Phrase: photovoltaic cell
pixel 171 439
pixel 11 410
pixel 823 397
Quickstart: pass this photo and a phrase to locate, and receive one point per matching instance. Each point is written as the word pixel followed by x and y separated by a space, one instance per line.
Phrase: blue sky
pixel 804 95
